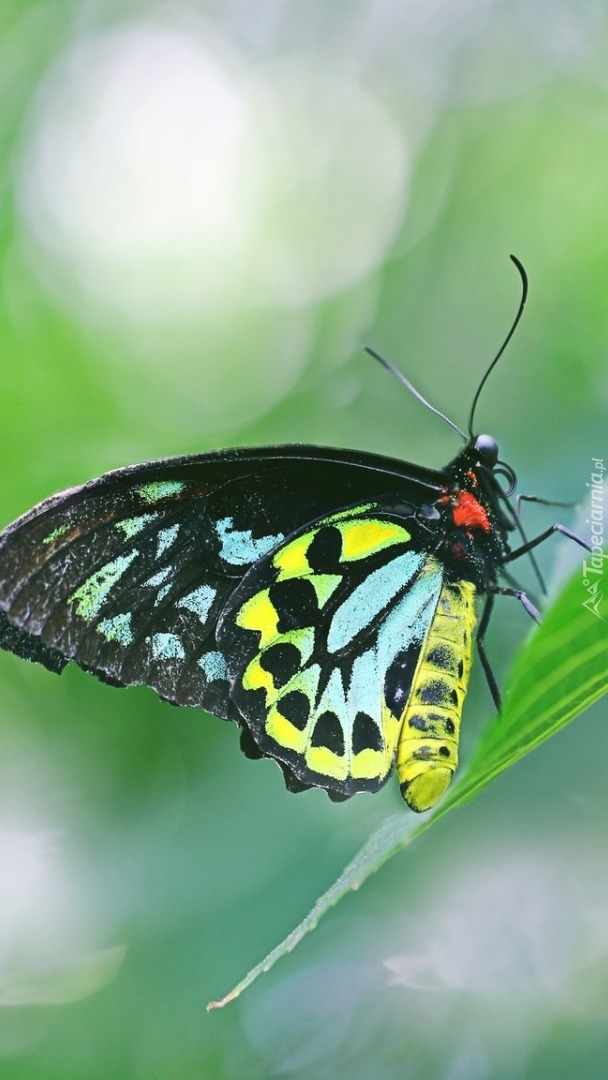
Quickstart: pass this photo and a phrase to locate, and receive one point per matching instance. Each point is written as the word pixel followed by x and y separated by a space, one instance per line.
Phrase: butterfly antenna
pixel 522 304
pixel 406 382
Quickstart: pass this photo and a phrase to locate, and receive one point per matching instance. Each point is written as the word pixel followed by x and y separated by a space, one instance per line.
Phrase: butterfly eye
pixel 487 448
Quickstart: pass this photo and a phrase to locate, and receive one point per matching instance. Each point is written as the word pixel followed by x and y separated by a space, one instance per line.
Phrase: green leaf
pixel 560 671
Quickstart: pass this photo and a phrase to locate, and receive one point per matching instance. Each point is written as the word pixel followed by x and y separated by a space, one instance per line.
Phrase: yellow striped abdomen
pixel 427 750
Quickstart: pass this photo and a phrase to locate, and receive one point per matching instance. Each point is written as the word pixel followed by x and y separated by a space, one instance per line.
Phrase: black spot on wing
pixel 282 661
pixel 295 707
pixel 296 604
pixel 399 678
pixel 366 733
pixel 323 555
pixel 328 733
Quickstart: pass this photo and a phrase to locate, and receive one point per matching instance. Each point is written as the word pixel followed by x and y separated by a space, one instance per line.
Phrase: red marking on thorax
pixel 468 513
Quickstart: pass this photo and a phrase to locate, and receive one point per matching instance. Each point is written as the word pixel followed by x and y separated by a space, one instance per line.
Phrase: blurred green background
pixel 206 209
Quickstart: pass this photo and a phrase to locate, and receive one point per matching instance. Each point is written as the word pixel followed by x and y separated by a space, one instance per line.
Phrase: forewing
pixel 128 574
pixel 126 579
pixel 323 637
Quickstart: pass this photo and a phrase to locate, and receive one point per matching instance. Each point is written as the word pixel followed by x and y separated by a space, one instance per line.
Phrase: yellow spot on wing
pixel 291 560
pixel 258 613
pixel 371 764
pixel 321 760
pixel 284 732
pixel 256 678
pixel 364 537
pixel 368 764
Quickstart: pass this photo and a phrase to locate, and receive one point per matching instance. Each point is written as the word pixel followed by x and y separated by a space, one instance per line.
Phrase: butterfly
pixel 324 600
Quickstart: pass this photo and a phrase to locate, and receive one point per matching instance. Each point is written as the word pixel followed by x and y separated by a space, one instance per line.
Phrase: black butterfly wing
pixel 128 575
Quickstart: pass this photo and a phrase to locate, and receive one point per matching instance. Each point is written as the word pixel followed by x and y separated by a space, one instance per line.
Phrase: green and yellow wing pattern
pixel 349 650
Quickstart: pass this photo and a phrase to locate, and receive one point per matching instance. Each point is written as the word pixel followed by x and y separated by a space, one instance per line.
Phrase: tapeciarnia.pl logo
pixel 593 566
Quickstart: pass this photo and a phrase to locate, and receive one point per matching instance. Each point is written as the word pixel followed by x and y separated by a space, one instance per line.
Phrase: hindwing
pixel 322 639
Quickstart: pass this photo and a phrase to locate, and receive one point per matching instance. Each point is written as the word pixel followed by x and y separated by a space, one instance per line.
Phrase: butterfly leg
pixel 541 502
pixel 483 656
pixel 545 536
pixel 527 604
pixel 523 598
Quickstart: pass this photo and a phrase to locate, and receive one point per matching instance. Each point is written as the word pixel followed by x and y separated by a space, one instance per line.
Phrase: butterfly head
pixel 479 462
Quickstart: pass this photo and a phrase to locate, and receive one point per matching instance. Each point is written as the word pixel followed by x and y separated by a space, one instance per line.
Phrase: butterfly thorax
pixel 473 525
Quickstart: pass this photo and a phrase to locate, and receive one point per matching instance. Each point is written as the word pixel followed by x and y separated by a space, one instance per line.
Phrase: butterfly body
pixel 324 599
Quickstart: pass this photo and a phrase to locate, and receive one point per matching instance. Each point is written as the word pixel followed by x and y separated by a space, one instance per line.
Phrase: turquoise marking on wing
pixel 332 699
pixel 199 601
pixel 166 537
pixel 157 579
pixel 214 665
pixel 160 489
pixel 370 597
pixel 365 689
pixel 239 547
pixel 131 526
pixel 411 617
pixel 117 629
pixel 166 647
pixel 90 596
pixel 407 623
